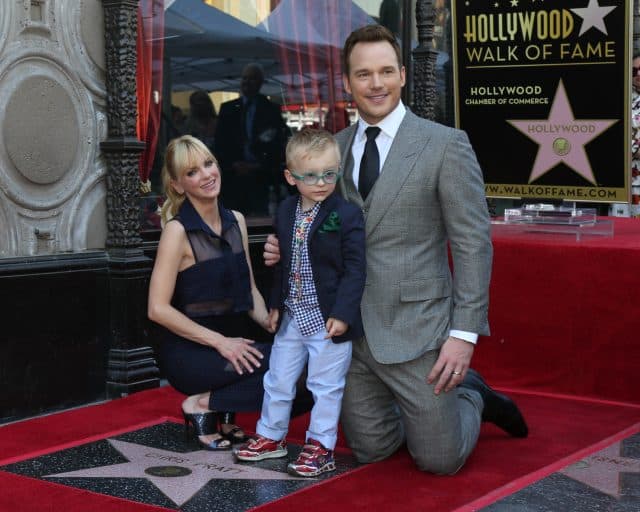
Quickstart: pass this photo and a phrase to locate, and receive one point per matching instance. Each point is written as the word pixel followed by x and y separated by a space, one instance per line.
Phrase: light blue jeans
pixel 328 365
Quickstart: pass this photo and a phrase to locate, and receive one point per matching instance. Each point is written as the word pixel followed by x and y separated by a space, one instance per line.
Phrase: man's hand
pixel 452 364
pixel 271 252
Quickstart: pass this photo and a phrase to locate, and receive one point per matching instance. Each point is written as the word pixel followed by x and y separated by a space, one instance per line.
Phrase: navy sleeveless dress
pixel 214 292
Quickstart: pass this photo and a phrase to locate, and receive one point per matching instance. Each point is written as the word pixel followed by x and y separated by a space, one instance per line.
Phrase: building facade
pixel 76 249
pixel 75 255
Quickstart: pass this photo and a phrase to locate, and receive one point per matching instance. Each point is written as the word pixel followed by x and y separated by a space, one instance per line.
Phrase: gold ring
pixel 456 373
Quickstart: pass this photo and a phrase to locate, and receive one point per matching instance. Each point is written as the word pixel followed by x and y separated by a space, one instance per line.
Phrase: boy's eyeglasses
pixel 329 177
pixel 634 71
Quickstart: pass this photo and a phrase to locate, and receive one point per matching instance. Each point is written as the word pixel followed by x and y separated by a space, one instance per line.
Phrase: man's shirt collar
pixel 389 125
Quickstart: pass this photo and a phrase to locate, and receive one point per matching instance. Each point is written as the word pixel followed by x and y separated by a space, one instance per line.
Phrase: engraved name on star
pixel 593 16
pixel 178 475
pixel 562 137
pixel 602 470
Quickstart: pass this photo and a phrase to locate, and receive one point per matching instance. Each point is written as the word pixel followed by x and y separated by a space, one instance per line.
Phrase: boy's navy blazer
pixel 337 259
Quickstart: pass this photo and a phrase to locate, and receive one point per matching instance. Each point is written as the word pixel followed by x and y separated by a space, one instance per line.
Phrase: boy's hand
pixel 274 315
pixel 271 252
pixel 335 327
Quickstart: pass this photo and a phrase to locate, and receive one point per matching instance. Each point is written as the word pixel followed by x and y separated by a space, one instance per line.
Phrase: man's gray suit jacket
pixel 430 190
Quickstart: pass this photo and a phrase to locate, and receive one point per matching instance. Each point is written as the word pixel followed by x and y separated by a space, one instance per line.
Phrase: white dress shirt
pixel 388 129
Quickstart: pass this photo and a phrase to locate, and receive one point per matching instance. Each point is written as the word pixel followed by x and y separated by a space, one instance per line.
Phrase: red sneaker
pixel 313 460
pixel 261 448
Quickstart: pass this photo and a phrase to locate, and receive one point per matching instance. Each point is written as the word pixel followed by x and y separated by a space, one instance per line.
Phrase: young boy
pixel 315 304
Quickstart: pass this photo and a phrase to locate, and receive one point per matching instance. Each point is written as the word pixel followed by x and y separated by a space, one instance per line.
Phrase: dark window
pixel 244 79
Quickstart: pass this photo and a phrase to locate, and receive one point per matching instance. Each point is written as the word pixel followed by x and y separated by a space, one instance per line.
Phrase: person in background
pixel 250 141
pixel 624 209
pixel 441 26
pixel 315 301
pixel 202 119
pixel 421 190
pixel 202 292
pixel 176 125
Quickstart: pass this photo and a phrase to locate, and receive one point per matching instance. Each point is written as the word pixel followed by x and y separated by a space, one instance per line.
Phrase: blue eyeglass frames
pixel 330 177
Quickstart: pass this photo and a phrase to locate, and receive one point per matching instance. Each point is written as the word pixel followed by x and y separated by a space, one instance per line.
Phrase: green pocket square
pixel 331 224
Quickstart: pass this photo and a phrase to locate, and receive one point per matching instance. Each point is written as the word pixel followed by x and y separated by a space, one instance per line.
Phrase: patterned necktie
pixel 302 225
pixel 370 163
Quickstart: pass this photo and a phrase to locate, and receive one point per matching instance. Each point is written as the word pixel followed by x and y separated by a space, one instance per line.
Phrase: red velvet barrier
pixel 565 314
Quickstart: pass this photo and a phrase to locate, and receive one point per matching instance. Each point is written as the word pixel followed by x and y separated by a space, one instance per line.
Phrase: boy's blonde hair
pixel 309 141
pixel 181 154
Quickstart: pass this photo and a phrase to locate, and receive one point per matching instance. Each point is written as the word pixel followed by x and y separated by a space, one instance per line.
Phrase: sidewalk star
pixel 178 475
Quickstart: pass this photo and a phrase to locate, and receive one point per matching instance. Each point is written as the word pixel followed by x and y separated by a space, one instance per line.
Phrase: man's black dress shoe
pixel 498 409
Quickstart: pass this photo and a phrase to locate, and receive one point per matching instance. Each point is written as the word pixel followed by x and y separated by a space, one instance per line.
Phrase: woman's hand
pixel 241 354
pixel 264 321
pixel 274 316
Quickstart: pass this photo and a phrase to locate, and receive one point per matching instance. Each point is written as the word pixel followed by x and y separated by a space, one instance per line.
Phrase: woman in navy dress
pixel 203 293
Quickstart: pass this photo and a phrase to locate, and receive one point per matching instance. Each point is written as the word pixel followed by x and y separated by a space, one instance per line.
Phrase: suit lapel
pixel 324 210
pixel 407 146
pixel 347 186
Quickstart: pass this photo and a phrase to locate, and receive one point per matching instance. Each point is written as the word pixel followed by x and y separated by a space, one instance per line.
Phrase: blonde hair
pixel 310 141
pixel 181 154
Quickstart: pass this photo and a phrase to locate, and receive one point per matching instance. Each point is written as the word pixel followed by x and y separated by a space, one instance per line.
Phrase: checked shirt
pixel 302 299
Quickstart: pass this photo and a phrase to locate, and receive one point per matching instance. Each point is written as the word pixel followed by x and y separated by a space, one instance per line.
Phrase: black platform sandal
pixel 205 424
pixel 235 434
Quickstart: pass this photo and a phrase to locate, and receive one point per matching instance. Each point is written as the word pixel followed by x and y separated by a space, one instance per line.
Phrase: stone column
pixel 636 26
pixel 131 365
pixel 424 62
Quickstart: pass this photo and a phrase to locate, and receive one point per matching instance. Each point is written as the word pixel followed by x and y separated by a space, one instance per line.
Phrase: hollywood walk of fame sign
pixel 543 90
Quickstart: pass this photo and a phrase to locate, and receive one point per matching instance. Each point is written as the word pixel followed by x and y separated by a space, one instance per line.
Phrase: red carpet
pixel 561 430
pixel 563 313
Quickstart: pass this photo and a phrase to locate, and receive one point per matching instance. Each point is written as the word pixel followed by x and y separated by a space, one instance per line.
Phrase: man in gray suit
pixel 409 379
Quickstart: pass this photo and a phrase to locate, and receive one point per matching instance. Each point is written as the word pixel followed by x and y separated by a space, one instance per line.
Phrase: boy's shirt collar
pixel 326 201
pixel 313 210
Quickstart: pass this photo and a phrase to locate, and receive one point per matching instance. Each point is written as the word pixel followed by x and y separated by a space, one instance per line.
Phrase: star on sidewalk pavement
pixel 562 137
pixel 593 16
pixel 178 475
pixel 602 470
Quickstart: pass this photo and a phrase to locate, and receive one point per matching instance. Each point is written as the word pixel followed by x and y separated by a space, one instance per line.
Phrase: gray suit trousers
pixel 385 405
